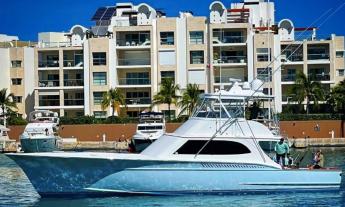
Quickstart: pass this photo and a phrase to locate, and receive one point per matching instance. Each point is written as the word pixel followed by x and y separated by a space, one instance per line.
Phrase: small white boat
pixel 41 134
pixel 216 151
pixel 151 126
pixel 5 142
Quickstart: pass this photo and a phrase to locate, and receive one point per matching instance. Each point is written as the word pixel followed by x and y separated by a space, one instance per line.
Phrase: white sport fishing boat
pixel 41 134
pixel 151 126
pixel 216 151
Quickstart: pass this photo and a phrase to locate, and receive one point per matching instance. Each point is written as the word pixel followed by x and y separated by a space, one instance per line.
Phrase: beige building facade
pixel 133 47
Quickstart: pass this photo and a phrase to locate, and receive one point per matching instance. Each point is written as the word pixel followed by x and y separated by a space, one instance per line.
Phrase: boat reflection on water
pixel 216 151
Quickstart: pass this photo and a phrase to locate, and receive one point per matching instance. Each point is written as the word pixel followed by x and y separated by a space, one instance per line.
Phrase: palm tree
pixel 6 101
pixel 337 97
pixel 113 98
pixel 306 89
pixel 166 94
pixel 190 98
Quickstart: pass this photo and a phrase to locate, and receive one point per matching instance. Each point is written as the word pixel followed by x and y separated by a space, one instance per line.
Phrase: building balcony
pixel 73 82
pixel 291 58
pixel 133 42
pixel 226 79
pixel 48 83
pixel 48 64
pixel 134 61
pixel 138 101
pixel 74 102
pixel 230 60
pixel 134 81
pixel 288 77
pixel 49 102
pixel 72 64
pixel 321 56
pixel 219 39
pixel 319 77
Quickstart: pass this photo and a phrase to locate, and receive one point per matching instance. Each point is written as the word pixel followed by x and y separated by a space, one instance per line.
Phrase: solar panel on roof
pixel 108 14
pixel 99 14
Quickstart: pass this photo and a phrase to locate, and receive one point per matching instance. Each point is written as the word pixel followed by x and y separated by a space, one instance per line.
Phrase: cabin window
pixel 213 148
pixel 149 127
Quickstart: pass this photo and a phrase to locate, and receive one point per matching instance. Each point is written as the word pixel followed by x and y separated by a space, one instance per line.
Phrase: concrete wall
pixel 302 129
pixel 94 132
pixel 116 132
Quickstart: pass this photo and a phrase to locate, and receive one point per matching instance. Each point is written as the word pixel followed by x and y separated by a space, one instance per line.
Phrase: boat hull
pixel 57 176
pixel 38 144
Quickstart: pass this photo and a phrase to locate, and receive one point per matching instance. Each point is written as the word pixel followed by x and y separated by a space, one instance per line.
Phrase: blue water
pixel 16 190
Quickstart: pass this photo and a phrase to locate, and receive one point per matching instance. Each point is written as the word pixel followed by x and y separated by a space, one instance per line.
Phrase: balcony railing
pixel 48 83
pixel 135 101
pixel 73 63
pixel 48 63
pixel 134 81
pixel 134 61
pixel 222 39
pixel 319 76
pixel 133 42
pixel 289 77
pixel 322 56
pixel 74 102
pixel 73 82
pixel 49 102
pixel 226 79
pixel 292 58
pixel 231 59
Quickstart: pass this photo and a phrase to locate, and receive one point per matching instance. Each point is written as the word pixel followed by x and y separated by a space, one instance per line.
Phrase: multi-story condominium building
pixel 134 47
pixel 17 72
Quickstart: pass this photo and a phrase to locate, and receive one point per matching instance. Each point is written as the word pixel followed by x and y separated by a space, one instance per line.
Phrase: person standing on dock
pixel 281 149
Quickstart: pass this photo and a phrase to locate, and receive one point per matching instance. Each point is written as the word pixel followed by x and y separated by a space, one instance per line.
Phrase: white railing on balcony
pixel 48 83
pixel 73 82
pixel 54 44
pixel 135 101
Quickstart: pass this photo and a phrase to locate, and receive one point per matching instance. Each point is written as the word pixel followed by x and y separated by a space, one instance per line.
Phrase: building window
pixel 262 54
pixel 100 114
pixel 99 58
pixel 196 37
pixel 98 98
pixel 197 57
pixel 99 78
pixel 16 81
pixel 340 72
pixel 340 54
pixel 168 74
pixel 167 38
pixel 17 99
pixel 264 74
pixel 213 148
pixel 16 63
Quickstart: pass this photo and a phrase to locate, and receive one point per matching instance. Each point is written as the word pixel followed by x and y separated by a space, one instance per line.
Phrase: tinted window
pixel 213 148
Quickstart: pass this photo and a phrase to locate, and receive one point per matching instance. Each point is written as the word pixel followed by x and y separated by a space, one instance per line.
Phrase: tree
pixel 113 98
pixel 190 99
pixel 337 97
pixel 306 89
pixel 166 94
pixel 6 102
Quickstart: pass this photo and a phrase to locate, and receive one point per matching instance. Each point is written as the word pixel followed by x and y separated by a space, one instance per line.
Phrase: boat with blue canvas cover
pixel 216 151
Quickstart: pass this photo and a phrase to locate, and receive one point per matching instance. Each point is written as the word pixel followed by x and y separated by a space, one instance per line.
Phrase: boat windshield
pixel 214 107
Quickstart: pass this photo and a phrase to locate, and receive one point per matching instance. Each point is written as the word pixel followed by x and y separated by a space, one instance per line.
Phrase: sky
pixel 26 18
